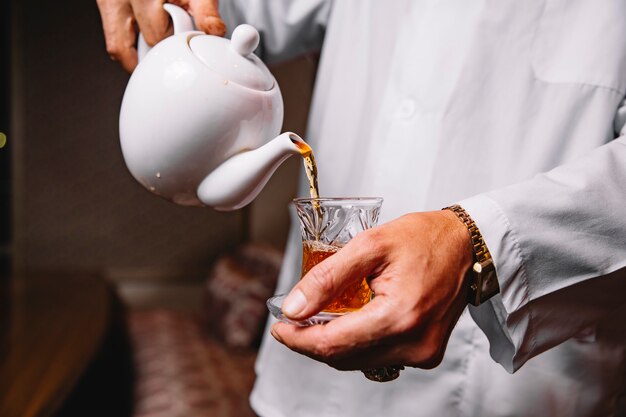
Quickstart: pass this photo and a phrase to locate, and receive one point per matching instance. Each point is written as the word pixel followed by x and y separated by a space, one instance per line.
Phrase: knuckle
pixel 428 355
pixel 369 242
pixel 114 50
pixel 212 25
pixel 433 360
pixel 156 30
pixel 326 350
pixel 152 37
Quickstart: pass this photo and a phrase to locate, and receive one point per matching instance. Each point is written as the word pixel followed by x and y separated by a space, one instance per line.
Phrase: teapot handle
pixel 181 21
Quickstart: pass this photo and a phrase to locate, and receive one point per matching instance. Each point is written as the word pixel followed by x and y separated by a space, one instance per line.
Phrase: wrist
pixel 457 232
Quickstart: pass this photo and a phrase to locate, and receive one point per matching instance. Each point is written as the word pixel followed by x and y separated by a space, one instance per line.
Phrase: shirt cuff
pixel 505 318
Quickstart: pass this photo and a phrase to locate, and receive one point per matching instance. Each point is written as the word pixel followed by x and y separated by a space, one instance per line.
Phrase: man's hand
pixel 416 266
pixel 122 18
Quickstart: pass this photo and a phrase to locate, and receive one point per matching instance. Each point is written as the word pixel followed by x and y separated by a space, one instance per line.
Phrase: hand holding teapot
pixel 121 17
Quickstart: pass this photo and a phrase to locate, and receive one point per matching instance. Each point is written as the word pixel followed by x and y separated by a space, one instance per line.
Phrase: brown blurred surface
pixel 52 326
pixel 74 206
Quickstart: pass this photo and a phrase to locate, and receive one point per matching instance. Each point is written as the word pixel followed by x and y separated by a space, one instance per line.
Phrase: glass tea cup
pixel 327 225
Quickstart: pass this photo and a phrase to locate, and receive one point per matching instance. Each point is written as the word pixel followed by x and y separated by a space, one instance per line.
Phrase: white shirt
pixel 427 103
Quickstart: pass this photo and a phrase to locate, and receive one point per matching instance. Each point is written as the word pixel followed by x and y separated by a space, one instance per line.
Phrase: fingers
pixel 120 16
pixel 414 352
pixel 119 31
pixel 368 338
pixel 207 16
pixel 352 333
pixel 154 22
pixel 325 281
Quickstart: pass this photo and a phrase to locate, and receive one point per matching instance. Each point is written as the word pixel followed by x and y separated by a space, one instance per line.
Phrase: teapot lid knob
pixel 245 39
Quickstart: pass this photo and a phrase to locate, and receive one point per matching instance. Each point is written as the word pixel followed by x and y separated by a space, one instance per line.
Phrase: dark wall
pixel 75 204
pixel 5 151
pixel 77 207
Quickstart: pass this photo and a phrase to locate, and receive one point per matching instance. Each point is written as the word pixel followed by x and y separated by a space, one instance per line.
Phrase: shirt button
pixel 406 108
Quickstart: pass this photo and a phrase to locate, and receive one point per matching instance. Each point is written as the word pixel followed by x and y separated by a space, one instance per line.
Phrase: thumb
pixel 328 279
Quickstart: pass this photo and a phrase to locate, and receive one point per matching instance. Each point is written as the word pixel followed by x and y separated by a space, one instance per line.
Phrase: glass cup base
pixel 275 303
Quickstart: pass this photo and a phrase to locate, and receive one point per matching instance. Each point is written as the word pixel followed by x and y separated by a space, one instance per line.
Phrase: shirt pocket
pixel 581 42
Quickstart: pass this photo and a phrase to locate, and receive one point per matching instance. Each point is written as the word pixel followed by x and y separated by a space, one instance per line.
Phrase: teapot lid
pixel 234 59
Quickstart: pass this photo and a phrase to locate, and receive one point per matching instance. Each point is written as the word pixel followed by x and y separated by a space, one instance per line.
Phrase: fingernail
pixel 294 303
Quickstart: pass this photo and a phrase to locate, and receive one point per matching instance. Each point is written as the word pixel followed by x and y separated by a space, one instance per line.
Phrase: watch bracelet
pixel 481 253
pixel 480 289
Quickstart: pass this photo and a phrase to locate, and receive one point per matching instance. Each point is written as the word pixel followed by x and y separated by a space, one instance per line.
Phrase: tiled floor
pixel 180 372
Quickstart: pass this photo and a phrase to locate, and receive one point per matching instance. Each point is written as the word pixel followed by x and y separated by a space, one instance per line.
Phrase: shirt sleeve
pixel 288 28
pixel 558 242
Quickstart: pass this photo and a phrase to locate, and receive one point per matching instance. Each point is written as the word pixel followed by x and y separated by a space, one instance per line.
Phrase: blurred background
pixel 94 269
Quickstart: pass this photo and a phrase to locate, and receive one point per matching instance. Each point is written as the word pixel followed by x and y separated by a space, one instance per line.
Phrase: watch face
pixel 490 285
pixel 484 282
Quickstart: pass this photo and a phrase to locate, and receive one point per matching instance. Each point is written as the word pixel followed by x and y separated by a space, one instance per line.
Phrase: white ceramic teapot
pixel 200 116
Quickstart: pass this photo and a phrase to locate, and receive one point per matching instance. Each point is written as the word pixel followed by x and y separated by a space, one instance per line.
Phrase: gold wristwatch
pixel 483 279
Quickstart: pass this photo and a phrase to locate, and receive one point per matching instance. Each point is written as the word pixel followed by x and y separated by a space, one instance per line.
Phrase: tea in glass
pixel 328 224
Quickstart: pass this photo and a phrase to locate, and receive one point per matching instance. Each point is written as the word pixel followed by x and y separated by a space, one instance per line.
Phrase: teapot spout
pixel 238 180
